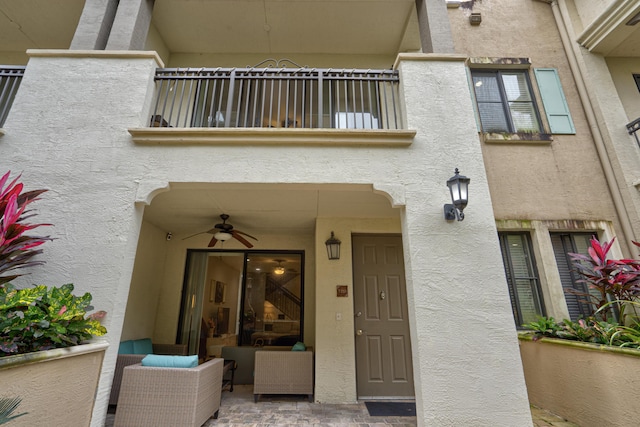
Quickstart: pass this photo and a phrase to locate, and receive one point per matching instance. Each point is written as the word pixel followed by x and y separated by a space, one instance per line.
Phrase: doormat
pixel 391 409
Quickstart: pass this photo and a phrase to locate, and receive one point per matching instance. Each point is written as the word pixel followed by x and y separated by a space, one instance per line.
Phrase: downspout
pixel 607 167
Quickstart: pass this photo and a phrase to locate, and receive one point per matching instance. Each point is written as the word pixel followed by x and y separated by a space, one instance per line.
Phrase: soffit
pixel 291 26
pixel 39 24
pixel 609 35
pixel 277 208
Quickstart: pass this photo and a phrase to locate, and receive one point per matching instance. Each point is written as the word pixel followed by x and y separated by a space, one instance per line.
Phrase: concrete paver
pixel 238 409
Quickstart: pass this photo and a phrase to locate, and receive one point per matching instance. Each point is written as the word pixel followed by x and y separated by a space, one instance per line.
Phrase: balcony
pixel 276 97
pixel 633 129
pixel 10 78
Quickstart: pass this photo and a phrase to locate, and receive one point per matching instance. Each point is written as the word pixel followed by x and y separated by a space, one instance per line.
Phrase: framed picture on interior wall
pixel 220 297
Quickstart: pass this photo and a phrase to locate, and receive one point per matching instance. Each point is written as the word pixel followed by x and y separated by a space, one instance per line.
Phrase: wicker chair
pixel 169 397
pixel 283 372
pixel 125 360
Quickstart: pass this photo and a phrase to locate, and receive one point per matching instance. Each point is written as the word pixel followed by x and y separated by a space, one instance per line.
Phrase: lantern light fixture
pixel 333 247
pixel 458 187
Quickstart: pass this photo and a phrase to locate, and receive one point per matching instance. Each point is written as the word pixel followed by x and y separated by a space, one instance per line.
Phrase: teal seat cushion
pixel 126 347
pixel 164 361
pixel 299 346
pixel 142 346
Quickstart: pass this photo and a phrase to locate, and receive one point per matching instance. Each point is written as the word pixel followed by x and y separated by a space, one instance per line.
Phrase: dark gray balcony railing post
pixel 277 97
pixel 633 129
pixel 10 78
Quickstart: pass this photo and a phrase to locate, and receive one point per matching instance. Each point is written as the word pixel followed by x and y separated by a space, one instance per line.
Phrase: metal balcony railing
pixel 633 129
pixel 10 78
pixel 276 98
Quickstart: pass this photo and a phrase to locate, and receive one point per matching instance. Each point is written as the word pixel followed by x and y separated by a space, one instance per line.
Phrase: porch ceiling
pixel 39 24
pixel 278 208
pixel 288 26
pixel 233 26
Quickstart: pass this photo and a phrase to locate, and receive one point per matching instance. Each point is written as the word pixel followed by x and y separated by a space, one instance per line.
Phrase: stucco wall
pixel 622 70
pixel 450 265
pixel 69 134
pixel 141 311
pixel 335 347
pixel 584 383
pixel 535 181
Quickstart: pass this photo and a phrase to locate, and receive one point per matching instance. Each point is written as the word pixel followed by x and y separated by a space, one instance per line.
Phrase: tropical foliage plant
pixel 616 291
pixel 42 318
pixel 37 318
pixel 616 282
pixel 8 405
pixel 16 248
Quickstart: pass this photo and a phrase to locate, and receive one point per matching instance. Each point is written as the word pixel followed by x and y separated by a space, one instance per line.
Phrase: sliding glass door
pixel 241 298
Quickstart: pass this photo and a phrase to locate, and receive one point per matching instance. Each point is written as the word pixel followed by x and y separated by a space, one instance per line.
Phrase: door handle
pixel 358 314
pixel 359 332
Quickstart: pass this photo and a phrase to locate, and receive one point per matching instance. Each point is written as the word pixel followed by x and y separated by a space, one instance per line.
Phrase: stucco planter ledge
pixel 272 136
pixel 589 384
pixel 57 386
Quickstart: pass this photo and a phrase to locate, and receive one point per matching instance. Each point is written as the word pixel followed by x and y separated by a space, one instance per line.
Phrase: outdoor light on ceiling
pixel 458 187
pixel 333 247
pixel 222 236
pixel 279 270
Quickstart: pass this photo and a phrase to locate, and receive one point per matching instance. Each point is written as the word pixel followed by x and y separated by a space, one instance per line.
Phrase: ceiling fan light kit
pixel 223 232
pixel 222 236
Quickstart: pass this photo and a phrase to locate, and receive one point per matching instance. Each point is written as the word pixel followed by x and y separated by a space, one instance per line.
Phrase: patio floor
pixel 237 409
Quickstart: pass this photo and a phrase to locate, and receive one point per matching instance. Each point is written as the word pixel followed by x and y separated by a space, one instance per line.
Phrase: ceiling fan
pixel 223 232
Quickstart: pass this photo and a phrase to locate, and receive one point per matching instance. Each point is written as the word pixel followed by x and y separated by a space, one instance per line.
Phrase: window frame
pixel 568 242
pixel 504 101
pixel 536 288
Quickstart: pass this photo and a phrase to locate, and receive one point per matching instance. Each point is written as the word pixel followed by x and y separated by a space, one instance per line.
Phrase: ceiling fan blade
pixel 194 235
pixel 245 234
pixel 212 242
pixel 241 239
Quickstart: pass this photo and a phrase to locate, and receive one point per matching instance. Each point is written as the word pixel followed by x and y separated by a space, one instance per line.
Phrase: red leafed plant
pixel 617 281
pixel 16 248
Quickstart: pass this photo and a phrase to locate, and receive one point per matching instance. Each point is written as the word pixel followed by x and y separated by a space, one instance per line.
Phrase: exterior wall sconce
pixel 333 247
pixel 458 187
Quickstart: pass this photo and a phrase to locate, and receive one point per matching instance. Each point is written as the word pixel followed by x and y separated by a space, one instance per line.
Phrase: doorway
pixel 384 368
pixel 246 297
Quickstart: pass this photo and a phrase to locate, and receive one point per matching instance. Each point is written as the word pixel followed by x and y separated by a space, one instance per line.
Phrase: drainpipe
pixel 607 167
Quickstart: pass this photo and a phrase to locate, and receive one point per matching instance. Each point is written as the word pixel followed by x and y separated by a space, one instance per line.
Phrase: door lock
pixel 383 295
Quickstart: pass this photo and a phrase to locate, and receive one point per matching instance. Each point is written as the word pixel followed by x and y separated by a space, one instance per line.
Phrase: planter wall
pixel 588 384
pixel 57 386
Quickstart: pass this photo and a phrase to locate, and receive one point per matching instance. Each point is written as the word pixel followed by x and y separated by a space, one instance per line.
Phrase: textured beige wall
pixel 622 70
pixel 590 10
pixel 73 133
pixel 140 316
pixel 590 387
pixel 302 59
pixel 335 347
pixel 57 387
pixel 561 180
